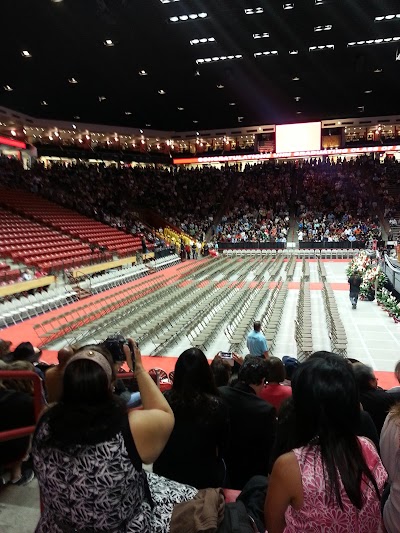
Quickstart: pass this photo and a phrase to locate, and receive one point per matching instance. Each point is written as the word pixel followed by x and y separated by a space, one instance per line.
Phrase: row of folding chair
pixel 33 305
pixel 276 266
pixel 336 330
pixel 303 324
pixel 290 268
pixel 272 318
pixel 305 269
pixel 321 270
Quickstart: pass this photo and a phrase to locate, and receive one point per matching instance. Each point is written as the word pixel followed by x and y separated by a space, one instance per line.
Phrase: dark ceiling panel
pixel 66 40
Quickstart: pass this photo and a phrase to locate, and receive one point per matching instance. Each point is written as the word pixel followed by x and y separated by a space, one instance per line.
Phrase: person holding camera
pixel 88 452
pixel 122 352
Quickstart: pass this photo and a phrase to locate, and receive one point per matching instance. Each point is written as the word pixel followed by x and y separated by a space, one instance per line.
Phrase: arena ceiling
pixel 200 64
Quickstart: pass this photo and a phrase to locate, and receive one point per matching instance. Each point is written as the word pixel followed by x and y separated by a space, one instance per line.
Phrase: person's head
pixel 365 377
pixel 291 364
pixel 64 355
pixel 327 410
pixel 257 325
pixel 276 370
pixel 326 398
pixel 254 372
pixel 4 348
pixel 397 371
pixel 88 377
pixel 222 372
pixel 25 351
pixel 193 375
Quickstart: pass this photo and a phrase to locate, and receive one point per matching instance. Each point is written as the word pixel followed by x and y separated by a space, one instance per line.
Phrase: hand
pixel 217 357
pixel 237 358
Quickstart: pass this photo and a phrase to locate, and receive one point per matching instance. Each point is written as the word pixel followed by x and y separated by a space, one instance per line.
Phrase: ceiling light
pixel 217 58
pixel 378 70
pixel 108 42
pixel 142 73
pixel 8 88
pixel 73 126
pixel 298 112
pixel 77 117
pixel 288 6
pixel 203 40
pixel 266 53
pixel 168 1
pixel 297 98
pixel 140 131
pixel 361 108
pixel 25 53
pixel 56 1
pixel 260 35
pixel 232 103
pixel 293 52
pixel 322 47
pixel 374 41
pixel 219 86
pixel 128 112
pixel 101 98
pixel 319 2
pixel 368 91
pixel 295 78
pixel 195 121
pixel 327 27
pixel 161 91
pixel 181 108
pixel 73 80
pixel 184 18
pixel 13 133
pixel 254 11
pixel 387 17
pixel 43 102
pixel 148 125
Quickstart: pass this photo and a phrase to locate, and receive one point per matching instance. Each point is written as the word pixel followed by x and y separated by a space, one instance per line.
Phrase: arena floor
pixel 373 338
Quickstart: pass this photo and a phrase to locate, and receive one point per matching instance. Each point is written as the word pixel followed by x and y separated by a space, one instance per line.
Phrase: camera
pixel 228 357
pixel 115 345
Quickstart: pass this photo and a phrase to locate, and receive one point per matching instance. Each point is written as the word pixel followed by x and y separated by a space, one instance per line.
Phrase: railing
pixel 25 375
pixel 251 245
pixel 340 244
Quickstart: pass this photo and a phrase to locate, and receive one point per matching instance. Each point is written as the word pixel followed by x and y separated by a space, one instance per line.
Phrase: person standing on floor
pixel 256 342
pixel 355 281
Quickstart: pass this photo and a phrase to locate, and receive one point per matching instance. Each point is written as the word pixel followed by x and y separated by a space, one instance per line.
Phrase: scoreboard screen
pixel 298 137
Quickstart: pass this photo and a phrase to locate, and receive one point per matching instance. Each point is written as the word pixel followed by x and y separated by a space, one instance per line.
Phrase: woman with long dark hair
pixel 194 451
pixel 332 480
pixel 88 453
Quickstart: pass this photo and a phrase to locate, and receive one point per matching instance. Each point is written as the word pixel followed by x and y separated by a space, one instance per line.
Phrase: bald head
pixel 64 354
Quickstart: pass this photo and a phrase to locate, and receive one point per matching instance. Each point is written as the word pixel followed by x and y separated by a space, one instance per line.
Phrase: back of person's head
pixel 327 408
pixel 193 375
pixel 222 372
pixel 291 364
pixel 64 355
pixel 25 351
pixel 397 371
pixel 365 377
pixel 87 381
pixel 253 371
pixel 4 349
pixel 276 370
pixel 257 325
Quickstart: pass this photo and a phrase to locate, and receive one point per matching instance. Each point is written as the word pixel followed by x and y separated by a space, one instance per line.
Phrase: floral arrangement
pixel 369 272
pixel 389 302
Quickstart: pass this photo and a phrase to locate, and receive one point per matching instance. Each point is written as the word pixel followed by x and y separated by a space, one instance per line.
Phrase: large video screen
pixel 298 137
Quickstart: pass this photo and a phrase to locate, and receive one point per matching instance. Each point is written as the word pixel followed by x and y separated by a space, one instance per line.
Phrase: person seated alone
pixel 256 342
pixel 253 423
pixel 274 392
